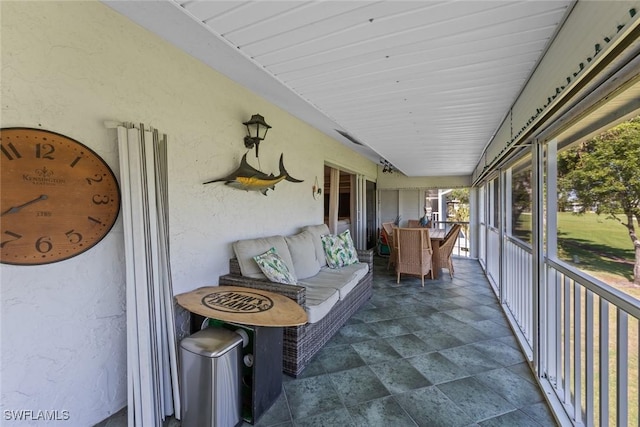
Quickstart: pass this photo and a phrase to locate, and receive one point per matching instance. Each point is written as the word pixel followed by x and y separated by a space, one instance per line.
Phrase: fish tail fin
pixel 283 171
pixel 213 180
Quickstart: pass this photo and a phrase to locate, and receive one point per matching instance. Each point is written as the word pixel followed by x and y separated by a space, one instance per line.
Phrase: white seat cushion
pixel 343 279
pixel 319 302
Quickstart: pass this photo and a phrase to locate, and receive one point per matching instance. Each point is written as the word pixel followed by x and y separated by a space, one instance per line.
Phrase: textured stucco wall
pixel 68 67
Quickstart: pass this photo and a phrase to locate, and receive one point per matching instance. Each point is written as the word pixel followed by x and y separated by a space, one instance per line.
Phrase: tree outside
pixel 521 203
pixel 603 175
pixel 460 198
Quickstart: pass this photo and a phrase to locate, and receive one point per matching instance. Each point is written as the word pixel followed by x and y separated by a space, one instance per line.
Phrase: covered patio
pixel 405 97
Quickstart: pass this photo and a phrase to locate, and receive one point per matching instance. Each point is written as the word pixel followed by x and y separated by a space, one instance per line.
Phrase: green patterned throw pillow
pixel 339 250
pixel 352 254
pixel 274 267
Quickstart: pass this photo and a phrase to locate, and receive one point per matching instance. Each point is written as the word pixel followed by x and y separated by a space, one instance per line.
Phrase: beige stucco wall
pixel 68 67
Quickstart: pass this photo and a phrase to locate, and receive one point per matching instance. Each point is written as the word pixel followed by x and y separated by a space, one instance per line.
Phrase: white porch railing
pixel 517 288
pixel 589 336
pixel 590 348
pixel 493 257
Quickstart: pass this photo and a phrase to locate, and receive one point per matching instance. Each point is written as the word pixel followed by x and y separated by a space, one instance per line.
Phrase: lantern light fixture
pixel 256 131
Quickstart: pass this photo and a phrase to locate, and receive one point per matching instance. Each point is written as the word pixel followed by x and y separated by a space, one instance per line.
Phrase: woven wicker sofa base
pixel 301 343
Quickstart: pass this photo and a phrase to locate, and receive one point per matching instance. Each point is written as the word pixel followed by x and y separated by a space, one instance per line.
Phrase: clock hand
pixel 17 209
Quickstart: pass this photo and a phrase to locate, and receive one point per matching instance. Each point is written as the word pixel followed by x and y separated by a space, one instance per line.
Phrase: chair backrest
pixel 446 247
pixel 414 223
pixel 388 228
pixel 413 245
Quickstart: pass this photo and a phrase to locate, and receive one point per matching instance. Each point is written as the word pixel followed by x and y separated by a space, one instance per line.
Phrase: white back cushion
pixel 245 250
pixel 317 231
pixel 303 254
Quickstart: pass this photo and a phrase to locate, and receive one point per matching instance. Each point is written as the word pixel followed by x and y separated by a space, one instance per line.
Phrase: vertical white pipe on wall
pixel 504 183
pixel 442 206
pixel 550 308
pixel 474 222
pixel 537 221
pixel 501 189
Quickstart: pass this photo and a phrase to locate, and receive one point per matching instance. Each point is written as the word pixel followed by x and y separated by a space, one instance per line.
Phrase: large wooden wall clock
pixel 58 198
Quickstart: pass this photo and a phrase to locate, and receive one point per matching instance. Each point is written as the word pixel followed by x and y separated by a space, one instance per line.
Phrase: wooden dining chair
pixel 446 249
pixel 387 229
pixel 414 252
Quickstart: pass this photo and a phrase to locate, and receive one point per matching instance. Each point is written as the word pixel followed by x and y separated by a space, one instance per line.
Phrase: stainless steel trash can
pixel 210 376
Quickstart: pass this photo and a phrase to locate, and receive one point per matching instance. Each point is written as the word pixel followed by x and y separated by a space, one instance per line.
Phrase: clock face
pixel 57 197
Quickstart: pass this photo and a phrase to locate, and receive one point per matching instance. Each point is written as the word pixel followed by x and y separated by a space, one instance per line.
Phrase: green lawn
pixel 600 244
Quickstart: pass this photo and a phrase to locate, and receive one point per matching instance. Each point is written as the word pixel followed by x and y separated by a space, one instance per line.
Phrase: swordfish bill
pixel 248 178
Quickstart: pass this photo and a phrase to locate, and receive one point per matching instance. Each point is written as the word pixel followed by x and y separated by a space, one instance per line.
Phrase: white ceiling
pixel 423 84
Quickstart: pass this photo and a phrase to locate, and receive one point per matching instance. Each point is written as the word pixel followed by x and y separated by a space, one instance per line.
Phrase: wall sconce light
pixel 256 131
pixel 386 166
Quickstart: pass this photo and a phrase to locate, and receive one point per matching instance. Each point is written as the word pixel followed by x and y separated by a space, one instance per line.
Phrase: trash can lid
pixel 211 342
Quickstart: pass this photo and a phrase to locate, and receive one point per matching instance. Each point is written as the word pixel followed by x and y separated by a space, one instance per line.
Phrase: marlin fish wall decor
pixel 248 178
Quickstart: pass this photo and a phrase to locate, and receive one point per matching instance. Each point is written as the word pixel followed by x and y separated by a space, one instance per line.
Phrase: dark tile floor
pixel 442 355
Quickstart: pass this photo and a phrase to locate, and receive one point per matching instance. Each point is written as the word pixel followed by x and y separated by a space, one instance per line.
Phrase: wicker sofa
pixel 330 296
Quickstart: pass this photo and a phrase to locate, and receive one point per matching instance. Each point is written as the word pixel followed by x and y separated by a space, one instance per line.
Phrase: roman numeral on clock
pixel 10 151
